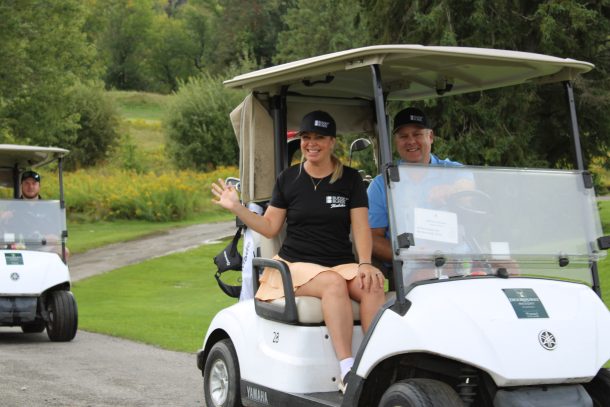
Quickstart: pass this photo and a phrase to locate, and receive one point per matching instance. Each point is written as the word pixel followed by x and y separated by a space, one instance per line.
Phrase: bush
pixel 98 122
pixel 108 194
pixel 199 132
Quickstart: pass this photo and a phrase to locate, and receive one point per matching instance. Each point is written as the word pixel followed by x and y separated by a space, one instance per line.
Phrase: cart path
pixel 113 256
pixel 94 371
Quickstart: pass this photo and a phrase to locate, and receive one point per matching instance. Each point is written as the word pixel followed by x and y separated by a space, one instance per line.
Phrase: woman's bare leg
pixel 370 301
pixel 331 288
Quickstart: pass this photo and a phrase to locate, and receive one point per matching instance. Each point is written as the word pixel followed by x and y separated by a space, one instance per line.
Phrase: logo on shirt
pixel 336 201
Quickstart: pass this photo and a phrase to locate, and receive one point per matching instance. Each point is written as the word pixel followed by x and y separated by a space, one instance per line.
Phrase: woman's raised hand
pixel 226 194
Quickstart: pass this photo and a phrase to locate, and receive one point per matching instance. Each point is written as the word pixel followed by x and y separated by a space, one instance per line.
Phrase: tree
pixel 509 127
pixel 44 52
pixel 121 30
pixel 199 132
pixel 317 27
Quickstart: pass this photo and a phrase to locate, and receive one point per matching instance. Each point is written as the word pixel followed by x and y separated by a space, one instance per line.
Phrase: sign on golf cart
pixel 496 298
pixel 34 278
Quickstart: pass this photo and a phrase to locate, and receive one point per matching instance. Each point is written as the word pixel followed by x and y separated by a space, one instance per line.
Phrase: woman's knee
pixel 333 282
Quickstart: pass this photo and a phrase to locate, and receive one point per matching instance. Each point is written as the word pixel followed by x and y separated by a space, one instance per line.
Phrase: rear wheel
pixel 33 327
pixel 221 376
pixel 62 316
pixel 599 388
pixel 420 393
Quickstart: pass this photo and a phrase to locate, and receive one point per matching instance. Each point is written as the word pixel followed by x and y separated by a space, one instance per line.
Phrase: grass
pixel 87 236
pixel 167 302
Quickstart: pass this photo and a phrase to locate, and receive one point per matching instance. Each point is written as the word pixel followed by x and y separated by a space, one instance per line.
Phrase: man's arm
pixel 382 248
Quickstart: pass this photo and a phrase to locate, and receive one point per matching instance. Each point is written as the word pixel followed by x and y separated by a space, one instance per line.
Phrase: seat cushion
pixel 309 309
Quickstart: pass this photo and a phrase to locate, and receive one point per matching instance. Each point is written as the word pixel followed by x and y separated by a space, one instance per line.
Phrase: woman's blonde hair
pixel 337 170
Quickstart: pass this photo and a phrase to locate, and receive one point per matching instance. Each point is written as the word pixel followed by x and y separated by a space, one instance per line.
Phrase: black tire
pixel 420 393
pixel 221 376
pixel 599 388
pixel 62 316
pixel 33 327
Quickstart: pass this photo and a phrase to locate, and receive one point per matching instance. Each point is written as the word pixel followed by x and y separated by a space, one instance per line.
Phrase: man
pixel 413 139
pixel 30 185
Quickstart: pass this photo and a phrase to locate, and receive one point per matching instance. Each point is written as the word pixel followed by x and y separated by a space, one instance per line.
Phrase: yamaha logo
pixel 14 276
pixel 547 340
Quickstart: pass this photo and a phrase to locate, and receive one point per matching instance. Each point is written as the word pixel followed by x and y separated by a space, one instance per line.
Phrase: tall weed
pixel 109 194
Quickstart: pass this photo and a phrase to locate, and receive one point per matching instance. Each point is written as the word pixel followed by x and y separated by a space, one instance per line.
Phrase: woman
pixel 319 199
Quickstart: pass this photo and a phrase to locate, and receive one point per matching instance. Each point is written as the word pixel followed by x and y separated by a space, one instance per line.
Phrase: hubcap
pixel 219 382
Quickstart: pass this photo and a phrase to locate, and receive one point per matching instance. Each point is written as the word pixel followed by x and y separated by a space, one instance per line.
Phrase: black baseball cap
pixel 410 115
pixel 30 174
pixel 318 122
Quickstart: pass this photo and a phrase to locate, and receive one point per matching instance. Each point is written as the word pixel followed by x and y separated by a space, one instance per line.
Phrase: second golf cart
pixel 34 278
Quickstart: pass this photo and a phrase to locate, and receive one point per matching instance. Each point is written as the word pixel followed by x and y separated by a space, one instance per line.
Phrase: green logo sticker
pixel 13 259
pixel 525 302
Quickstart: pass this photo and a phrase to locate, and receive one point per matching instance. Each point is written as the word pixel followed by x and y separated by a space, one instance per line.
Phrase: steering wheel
pixel 470 201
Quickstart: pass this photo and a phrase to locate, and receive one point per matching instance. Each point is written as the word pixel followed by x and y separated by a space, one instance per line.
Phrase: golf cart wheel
pixel 221 376
pixel 33 327
pixel 420 393
pixel 63 316
pixel 599 388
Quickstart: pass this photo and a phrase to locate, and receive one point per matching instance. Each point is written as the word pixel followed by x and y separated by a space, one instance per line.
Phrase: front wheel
pixel 420 393
pixel 599 388
pixel 221 376
pixel 62 314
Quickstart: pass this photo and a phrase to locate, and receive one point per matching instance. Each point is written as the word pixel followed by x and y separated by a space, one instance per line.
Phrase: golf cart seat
pixel 289 309
pixel 292 309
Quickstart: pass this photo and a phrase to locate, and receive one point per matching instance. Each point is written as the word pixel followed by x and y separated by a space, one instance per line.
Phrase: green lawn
pixel 167 302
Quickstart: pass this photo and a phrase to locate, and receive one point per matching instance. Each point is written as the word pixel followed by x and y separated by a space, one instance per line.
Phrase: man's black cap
pixel 318 122
pixel 30 174
pixel 410 115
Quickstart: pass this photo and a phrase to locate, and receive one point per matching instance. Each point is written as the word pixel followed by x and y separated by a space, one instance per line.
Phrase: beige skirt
pixel 271 281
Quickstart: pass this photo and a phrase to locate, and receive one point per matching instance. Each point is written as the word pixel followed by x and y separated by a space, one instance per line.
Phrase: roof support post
pixel 574 125
pixel 382 128
pixel 280 130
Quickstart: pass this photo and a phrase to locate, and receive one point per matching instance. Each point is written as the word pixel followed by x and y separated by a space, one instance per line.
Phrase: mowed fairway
pixel 167 302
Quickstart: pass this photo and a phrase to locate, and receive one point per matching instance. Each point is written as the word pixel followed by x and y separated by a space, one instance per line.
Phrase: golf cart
pixel 496 297
pixel 34 278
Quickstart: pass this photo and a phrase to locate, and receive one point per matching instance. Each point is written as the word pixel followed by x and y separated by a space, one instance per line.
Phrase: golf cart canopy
pixel 343 84
pixel 14 159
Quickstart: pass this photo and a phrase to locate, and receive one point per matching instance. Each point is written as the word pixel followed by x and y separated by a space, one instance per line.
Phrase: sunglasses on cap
pixel 30 174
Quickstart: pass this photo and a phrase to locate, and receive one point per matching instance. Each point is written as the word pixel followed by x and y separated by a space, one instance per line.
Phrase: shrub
pixel 108 194
pixel 199 132
pixel 98 122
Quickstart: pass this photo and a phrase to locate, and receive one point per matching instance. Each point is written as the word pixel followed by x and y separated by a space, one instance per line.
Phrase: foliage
pixel 199 131
pixel 44 54
pixel 108 194
pixel 122 30
pixel 510 126
pixel 98 122
pixel 317 27
pixel 240 29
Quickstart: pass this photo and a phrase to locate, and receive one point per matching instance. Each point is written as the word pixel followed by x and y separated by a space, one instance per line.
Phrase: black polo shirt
pixel 318 219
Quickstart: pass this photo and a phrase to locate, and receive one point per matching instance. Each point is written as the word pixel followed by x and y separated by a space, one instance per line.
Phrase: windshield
pixel 31 225
pixel 478 220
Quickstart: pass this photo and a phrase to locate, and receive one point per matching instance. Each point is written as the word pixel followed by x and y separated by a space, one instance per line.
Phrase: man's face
pixel 30 188
pixel 414 143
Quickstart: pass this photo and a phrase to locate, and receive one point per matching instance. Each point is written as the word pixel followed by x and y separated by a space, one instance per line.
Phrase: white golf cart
pixel 496 297
pixel 34 278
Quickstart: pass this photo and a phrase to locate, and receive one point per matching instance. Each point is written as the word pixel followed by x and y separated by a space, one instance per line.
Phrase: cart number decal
pixel 276 337
pixel 525 302
pixel 13 259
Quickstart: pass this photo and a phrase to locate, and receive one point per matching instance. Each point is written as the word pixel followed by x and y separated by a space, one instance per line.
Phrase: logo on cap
pixel 320 123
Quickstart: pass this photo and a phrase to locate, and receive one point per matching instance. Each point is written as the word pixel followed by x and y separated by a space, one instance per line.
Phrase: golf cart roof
pixel 12 155
pixel 410 72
